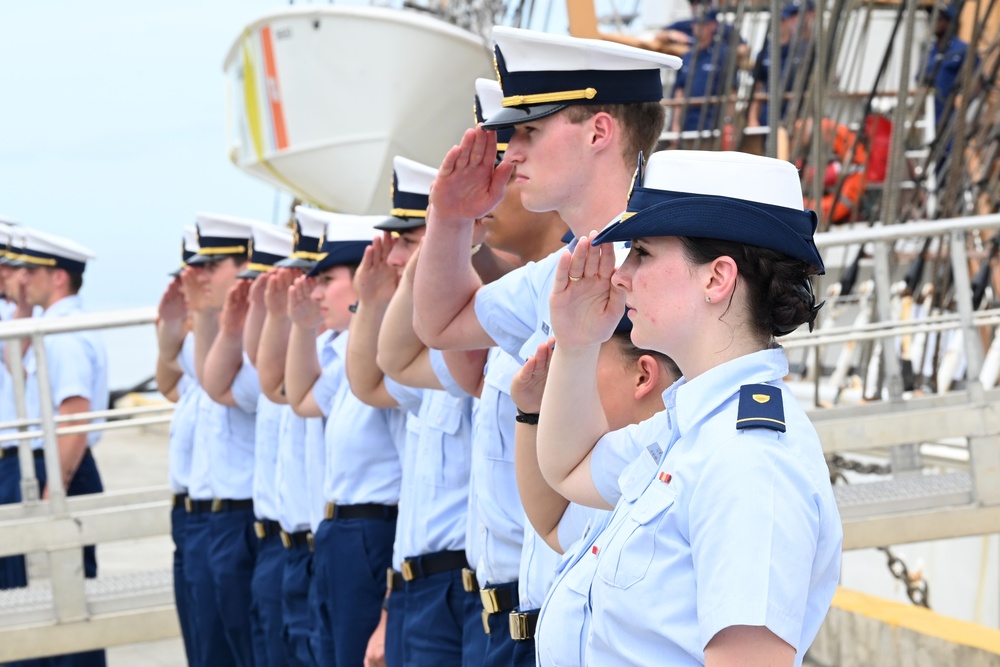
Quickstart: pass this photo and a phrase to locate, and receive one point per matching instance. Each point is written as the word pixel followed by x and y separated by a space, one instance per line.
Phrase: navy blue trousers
pixel 210 646
pixel 86 480
pixel 349 564
pixel 268 575
pixel 232 555
pixel 297 618
pixel 501 649
pixel 394 624
pixel 442 623
pixel 182 593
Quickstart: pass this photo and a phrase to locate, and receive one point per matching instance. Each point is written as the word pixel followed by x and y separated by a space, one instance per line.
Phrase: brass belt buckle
pixel 286 540
pixel 258 527
pixel 309 541
pixel 486 621
pixel 408 573
pixel 188 505
pixel 329 510
pixel 388 578
pixel 469 581
pixel 518 626
pixel 217 504
pixel 488 596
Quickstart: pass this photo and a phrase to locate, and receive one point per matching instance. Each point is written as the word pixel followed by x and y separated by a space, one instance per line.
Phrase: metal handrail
pixel 88 416
pixel 33 326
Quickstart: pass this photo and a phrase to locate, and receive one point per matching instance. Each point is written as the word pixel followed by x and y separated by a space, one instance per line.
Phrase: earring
pixel 708 299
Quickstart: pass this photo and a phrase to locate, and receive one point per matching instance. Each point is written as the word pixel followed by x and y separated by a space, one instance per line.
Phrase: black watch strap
pixel 526 417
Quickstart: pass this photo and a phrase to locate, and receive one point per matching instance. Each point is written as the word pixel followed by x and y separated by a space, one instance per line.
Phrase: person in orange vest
pixel 844 152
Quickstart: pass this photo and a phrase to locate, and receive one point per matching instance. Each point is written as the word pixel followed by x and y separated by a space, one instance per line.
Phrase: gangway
pixel 916 504
pixel 60 611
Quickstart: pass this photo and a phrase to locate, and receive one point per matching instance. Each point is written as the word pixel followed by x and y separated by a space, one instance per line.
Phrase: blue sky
pixel 113 130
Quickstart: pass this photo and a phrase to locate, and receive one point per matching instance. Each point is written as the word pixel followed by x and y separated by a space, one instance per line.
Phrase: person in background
pixel 795 35
pixel 177 381
pixel 77 375
pixel 702 74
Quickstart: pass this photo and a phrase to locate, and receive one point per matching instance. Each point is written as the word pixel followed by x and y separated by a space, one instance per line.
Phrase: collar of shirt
pixel 64 306
pixel 690 402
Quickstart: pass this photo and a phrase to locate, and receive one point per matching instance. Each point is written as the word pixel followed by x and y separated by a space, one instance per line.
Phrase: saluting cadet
pixel 725 532
pixel 576 156
pixel 432 620
pixel 228 415
pixel 268 245
pixel 175 340
pixel 353 545
pixel 77 374
pixel 631 383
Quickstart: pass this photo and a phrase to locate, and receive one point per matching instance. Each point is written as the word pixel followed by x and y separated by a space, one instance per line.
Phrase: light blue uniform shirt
pixel 230 437
pixel 184 421
pixel 291 476
pixel 716 527
pixel 77 367
pixel 8 409
pixel 514 310
pixel 564 623
pixel 496 527
pixel 434 493
pixel 267 433
pixel 362 442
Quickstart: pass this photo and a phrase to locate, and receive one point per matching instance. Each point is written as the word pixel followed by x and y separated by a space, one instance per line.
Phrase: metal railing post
pixel 29 483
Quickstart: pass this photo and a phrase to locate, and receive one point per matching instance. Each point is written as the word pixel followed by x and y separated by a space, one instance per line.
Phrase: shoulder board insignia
pixel 760 407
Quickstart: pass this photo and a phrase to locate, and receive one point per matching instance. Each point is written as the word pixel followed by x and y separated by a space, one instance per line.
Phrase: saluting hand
pixel 234 311
pixel 194 290
pixel 173 308
pixel 528 385
pixel 467 184
pixel 303 311
pixel 276 291
pixel 584 305
pixel 375 280
pixel 257 290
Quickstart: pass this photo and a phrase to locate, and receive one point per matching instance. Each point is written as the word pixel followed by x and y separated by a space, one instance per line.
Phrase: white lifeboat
pixel 320 99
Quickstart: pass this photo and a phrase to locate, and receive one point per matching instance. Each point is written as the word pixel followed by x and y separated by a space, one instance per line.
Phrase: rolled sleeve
pixel 409 398
pixel 754 533
pixel 444 376
pixel 246 387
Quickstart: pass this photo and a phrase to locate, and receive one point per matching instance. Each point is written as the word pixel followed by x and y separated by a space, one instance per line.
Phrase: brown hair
pixel 779 292
pixel 641 123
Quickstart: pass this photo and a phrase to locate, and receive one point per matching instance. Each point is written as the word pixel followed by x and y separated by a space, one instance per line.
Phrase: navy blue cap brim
pixel 295 263
pixel 720 218
pixel 248 274
pixel 197 260
pixel 394 224
pixel 345 253
pixel 510 116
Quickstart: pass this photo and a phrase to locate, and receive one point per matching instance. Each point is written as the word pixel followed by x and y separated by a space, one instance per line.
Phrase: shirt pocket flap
pixel 446 414
pixel 654 502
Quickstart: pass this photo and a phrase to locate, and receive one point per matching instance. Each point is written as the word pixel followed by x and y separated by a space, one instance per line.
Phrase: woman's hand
pixel 585 307
pixel 528 385
pixel 276 292
pixel 375 280
pixel 302 310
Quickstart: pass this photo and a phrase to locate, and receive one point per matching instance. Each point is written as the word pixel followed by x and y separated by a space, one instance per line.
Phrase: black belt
pixel 302 538
pixel 197 506
pixel 427 565
pixel 266 528
pixel 522 624
pixel 469 581
pixel 180 500
pixel 227 505
pixel 12 451
pixel 394 580
pixel 334 511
